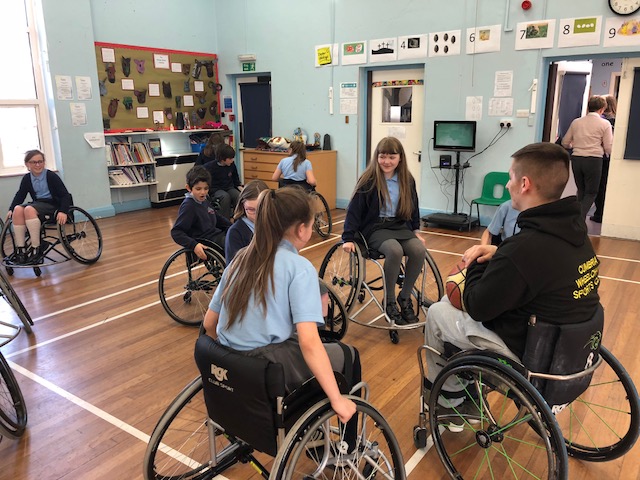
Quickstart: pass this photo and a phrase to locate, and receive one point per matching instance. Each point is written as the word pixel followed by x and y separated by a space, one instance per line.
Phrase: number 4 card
pixel 412 46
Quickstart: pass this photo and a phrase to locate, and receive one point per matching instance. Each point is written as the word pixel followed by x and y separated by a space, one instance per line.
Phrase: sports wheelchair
pixel 80 238
pixel 245 408
pixel 322 223
pixel 187 283
pixel 347 274
pixel 520 423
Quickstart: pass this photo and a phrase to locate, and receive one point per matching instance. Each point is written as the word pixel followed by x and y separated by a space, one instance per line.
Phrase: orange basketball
pixel 455 285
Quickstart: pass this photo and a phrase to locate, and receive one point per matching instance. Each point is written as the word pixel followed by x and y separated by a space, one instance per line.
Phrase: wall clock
pixel 624 7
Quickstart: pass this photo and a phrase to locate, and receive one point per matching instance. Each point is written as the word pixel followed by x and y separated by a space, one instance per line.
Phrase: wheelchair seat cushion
pixel 563 350
pixel 240 393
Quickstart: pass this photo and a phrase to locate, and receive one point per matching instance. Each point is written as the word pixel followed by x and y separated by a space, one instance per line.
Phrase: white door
pixel 397 111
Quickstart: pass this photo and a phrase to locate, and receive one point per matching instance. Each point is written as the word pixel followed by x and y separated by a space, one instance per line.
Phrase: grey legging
pixel 393 251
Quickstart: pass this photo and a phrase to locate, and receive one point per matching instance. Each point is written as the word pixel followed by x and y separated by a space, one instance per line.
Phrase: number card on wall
pixel 444 44
pixel 383 50
pixel 354 53
pixel 579 32
pixel 535 34
pixel 622 32
pixel 412 46
pixel 483 39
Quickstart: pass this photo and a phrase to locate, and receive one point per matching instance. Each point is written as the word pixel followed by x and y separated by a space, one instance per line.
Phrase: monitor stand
pixel 459 221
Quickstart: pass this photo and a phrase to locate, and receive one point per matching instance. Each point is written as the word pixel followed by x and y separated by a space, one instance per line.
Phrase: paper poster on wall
pixel 83 87
pixel 161 60
pixel 503 83
pixel 176 67
pixel 383 50
pixel 227 102
pixel 483 39
pixel 198 86
pixel 412 46
pixel 158 116
pixel 78 114
pixel 621 32
pixel 142 112
pixel 445 44
pixel 154 90
pixel 326 55
pixel 473 110
pixel 500 107
pixel 579 32
pixel 127 84
pixel 108 55
pixel 95 139
pixel 535 34
pixel 348 106
pixel 354 53
pixel 187 100
pixel 349 90
pixel 64 87
pixel 398 132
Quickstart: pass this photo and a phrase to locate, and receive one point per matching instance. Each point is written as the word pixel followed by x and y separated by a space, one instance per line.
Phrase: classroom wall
pixel 283 34
pixel 283 40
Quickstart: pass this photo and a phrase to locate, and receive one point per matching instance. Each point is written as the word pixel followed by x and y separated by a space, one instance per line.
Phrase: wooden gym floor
pixel 105 360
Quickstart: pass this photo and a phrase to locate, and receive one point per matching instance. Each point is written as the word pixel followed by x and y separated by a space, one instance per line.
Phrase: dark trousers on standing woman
pixel 602 191
pixel 586 172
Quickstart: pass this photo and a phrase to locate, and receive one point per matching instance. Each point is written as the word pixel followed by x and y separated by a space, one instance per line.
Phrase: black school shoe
pixel 406 310
pixel 394 314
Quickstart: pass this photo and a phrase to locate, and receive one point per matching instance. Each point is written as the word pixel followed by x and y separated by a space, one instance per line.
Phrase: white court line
pixel 419 454
pixel 107 417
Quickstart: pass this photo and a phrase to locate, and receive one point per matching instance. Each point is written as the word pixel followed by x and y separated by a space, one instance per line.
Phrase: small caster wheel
pixel 361 297
pixel 419 436
pixel 9 271
pixel 37 271
pixel 393 335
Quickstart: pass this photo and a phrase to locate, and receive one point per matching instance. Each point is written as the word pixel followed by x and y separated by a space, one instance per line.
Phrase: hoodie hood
pixel 560 219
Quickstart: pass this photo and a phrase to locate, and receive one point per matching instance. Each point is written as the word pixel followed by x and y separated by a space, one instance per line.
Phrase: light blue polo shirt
pixel 40 185
pixel 394 193
pixel 296 299
pixel 504 221
pixel 286 167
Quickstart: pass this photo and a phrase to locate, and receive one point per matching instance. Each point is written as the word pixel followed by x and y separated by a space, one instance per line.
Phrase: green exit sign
pixel 249 66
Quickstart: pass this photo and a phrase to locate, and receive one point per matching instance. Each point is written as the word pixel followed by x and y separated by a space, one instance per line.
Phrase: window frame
pixel 36 35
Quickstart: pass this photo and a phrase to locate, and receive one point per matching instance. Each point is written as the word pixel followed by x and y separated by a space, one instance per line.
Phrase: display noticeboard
pixel 152 88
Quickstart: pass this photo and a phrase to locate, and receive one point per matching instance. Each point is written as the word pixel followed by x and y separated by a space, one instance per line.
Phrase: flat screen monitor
pixel 457 136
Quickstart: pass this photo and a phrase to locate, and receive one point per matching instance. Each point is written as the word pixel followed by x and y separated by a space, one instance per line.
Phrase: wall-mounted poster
pixel 354 53
pixel 483 39
pixel 578 32
pixel 412 46
pixel 326 55
pixel 445 44
pixel 535 34
pixel 383 50
pixel 621 32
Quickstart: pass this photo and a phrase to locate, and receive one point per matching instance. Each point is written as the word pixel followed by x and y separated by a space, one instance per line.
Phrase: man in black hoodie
pixel 548 269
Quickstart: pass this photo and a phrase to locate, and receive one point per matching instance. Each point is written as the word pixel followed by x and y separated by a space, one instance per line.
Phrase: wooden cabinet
pixel 261 164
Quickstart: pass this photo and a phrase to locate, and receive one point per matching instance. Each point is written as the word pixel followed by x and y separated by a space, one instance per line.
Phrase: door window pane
pixel 396 104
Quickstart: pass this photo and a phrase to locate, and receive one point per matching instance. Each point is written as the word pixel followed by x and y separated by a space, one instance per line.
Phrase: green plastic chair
pixel 488 197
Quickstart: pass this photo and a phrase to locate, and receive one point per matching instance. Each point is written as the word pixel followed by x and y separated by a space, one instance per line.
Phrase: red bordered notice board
pixel 153 88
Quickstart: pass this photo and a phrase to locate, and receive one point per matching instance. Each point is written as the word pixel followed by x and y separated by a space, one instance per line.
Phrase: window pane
pixel 18 133
pixel 17 80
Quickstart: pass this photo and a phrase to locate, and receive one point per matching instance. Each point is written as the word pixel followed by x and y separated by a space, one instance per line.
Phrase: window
pixel 396 104
pixel 24 115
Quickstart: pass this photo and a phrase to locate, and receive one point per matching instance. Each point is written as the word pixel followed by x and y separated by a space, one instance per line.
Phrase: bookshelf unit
pixel 163 174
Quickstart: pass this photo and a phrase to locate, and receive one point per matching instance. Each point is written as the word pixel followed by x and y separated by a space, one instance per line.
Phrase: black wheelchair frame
pixel 79 239
pixel 245 408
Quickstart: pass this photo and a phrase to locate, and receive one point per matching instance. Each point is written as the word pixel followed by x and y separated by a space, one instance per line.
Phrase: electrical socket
pixel 506 122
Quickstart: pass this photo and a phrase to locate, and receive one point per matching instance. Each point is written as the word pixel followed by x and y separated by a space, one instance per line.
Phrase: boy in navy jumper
pixel 197 221
pixel 225 181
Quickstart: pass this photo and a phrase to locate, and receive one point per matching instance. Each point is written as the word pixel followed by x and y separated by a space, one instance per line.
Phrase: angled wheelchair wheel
pixel 494 434
pixel 10 295
pixel 428 288
pixel 81 236
pixel 342 271
pixel 320 446
pixel 336 321
pixel 184 442
pixel 13 411
pixel 322 220
pixel 187 284
pixel 603 423
pixel 7 245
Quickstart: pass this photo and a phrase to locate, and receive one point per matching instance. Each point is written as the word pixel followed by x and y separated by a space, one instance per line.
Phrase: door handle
pixel 419 153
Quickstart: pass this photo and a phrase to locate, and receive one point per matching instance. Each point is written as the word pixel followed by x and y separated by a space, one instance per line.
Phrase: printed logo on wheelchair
pixel 221 375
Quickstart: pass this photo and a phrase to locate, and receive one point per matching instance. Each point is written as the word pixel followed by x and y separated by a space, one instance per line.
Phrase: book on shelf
pixel 142 152
pixel 118 177
pixel 155 146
